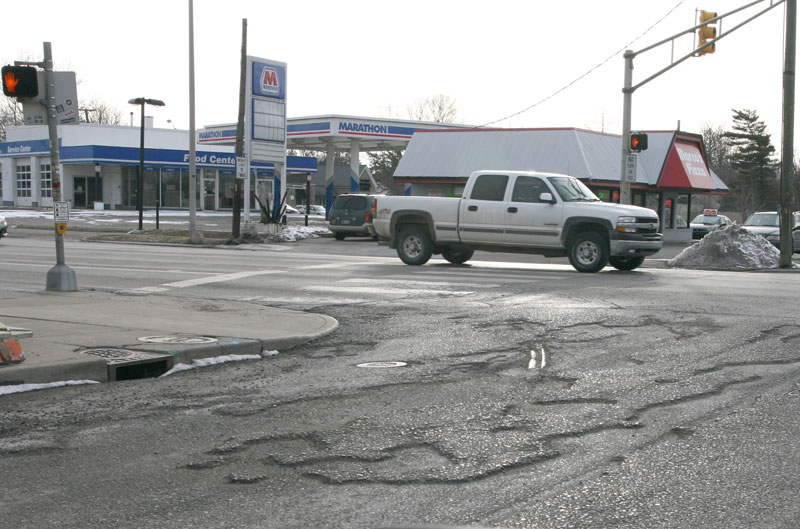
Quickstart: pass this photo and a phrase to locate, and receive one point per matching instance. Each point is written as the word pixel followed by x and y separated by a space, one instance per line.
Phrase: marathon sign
pixel 374 129
pixel 269 79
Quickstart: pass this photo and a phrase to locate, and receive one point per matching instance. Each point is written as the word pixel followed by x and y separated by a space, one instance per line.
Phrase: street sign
pixel 61 211
pixel 630 168
pixel 241 167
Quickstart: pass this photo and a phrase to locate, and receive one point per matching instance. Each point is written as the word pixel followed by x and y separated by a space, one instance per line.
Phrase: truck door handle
pixel 472 208
pixel 512 209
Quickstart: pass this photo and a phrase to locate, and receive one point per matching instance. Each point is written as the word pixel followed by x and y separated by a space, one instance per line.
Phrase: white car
pixel 709 221
pixel 767 223
pixel 3 227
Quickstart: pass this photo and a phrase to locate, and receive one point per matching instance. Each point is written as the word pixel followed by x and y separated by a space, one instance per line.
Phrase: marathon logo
pixel 269 81
pixel 363 127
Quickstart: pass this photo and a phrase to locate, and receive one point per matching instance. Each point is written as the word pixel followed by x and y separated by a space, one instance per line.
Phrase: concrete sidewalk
pixel 105 337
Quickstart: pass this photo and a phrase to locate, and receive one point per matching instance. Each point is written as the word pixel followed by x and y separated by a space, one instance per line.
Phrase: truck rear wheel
pixel 588 252
pixel 458 256
pixel 626 263
pixel 414 247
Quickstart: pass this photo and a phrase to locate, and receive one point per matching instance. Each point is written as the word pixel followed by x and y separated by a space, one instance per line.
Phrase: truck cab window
pixel 490 187
pixel 528 189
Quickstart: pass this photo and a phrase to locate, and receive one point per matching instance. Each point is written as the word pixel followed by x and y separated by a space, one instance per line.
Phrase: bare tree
pixel 97 111
pixel 718 150
pixel 438 108
pixel 10 114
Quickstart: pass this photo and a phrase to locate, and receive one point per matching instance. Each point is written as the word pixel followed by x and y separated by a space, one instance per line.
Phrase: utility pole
pixel 787 151
pixel 60 278
pixel 240 133
pixel 194 237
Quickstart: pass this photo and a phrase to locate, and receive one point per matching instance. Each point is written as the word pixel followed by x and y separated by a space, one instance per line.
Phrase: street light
pixel 140 181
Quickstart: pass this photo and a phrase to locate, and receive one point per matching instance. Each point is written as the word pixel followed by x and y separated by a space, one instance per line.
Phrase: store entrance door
pixel 86 190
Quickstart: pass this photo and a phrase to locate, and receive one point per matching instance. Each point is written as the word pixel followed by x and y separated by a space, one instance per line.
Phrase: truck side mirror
pixel 547 198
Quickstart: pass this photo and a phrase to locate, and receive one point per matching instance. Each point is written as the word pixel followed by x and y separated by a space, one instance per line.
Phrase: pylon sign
pixel 266 110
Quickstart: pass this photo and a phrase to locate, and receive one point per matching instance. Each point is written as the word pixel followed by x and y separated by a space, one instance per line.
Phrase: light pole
pixel 140 181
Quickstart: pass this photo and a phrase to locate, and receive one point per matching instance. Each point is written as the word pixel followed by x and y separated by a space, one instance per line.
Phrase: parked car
pixel 313 210
pixel 707 222
pixel 317 210
pixel 351 215
pixel 3 227
pixel 767 223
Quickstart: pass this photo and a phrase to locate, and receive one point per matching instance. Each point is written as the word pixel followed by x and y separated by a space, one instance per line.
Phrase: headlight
pixel 625 224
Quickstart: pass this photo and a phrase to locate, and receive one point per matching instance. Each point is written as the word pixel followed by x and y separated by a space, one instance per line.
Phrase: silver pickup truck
pixel 519 211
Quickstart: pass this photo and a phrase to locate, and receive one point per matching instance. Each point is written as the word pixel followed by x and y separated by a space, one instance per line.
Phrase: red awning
pixel 686 168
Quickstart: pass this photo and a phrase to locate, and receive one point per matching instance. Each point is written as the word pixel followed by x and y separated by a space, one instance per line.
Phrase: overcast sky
pixel 375 58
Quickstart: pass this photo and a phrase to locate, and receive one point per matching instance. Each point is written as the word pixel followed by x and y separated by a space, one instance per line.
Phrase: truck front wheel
pixel 414 246
pixel 588 252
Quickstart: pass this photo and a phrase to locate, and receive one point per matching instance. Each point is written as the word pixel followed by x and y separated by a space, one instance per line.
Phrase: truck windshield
pixel 572 190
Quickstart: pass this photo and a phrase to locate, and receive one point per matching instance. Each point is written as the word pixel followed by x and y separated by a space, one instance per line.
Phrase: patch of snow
pixel 292 233
pixel 729 248
pixel 21 388
pixel 216 360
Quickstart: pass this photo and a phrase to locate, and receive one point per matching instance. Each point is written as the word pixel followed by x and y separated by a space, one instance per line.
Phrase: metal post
pixel 627 97
pixel 60 278
pixel 787 151
pixel 140 181
pixel 308 196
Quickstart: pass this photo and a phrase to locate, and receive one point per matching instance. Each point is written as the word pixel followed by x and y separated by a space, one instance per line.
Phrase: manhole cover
pixel 121 356
pixel 179 339
pixel 382 364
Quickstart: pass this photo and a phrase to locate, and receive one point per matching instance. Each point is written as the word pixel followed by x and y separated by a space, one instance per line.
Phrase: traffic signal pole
pixel 627 101
pixel 60 278
pixel 706 47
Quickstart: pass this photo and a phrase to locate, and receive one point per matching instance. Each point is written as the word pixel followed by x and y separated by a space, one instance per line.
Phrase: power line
pixel 588 72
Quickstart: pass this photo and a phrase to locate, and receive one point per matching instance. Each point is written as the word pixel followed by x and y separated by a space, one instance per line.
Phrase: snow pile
pixel 292 233
pixel 216 360
pixel 729 248
pixel 21 388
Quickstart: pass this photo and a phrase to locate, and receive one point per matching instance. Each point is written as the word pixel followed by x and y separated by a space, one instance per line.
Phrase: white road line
pixel 112 269
pixel 413 281
pixel 220 278
pixel 385 291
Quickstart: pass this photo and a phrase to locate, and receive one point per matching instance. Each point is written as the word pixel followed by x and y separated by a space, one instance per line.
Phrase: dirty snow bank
pixel 729 248
pixel 292 233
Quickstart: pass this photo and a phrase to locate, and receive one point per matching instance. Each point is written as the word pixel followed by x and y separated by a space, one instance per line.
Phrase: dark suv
pixel 351 215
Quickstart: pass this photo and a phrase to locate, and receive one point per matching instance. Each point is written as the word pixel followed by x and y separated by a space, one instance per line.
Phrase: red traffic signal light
pixel 638 142
pixel 20 81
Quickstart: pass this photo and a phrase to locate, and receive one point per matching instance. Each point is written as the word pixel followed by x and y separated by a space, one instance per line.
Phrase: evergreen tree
pixel 754 183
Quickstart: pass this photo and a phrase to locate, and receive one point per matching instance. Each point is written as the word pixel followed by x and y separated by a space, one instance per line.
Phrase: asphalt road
pixel 530 396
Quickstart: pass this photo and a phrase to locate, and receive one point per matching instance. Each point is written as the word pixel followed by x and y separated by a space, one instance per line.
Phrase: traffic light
pixel 20 81
pixel 706 33
pixel 638 142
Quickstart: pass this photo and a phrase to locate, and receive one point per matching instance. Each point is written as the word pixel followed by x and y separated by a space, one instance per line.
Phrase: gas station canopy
pixel 321 133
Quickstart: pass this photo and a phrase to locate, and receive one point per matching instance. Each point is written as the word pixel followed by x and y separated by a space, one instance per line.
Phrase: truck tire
pixel 588 252
pixel 458 256
pixel 339 236
pixel 414 246
pixel 626 263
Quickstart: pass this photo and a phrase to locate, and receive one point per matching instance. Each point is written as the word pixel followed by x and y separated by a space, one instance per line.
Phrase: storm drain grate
pixel 127 364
